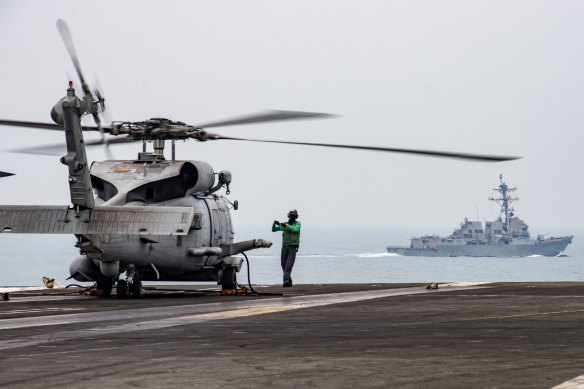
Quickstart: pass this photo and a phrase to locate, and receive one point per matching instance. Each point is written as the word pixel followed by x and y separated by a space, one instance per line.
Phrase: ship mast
pixel 505 201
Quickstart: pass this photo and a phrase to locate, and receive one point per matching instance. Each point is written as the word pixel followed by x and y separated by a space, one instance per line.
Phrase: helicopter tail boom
pixel 76 158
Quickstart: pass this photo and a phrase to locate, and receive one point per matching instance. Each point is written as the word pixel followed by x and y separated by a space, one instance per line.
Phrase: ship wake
pixel 374 255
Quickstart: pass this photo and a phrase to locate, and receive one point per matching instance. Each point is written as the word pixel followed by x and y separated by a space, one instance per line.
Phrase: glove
pixel 276 222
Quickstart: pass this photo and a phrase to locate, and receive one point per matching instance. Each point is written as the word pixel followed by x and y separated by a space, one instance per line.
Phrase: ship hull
pixel 545 248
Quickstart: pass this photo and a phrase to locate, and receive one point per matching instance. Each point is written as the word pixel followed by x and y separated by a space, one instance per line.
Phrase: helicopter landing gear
pixel 136 285
pixel 122 289
pixel 132 286
pixel 105 286
pixel 229 278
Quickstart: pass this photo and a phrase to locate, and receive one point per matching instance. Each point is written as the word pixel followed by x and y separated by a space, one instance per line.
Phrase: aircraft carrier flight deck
pixel 491 335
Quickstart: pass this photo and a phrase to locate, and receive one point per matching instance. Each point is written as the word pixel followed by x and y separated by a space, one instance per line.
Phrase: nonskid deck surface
pixel 384 335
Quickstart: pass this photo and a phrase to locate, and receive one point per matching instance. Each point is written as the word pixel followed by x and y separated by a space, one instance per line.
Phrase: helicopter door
pixel 215 226
pixel 219 223
pixel 222 225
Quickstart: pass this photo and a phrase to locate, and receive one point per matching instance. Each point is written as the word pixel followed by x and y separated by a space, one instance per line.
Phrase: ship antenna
pixel 505 201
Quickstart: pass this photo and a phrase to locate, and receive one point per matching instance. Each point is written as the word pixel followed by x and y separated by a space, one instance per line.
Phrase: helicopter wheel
pixel 136 286
pixel 105 286
pixel 228 280
pixel 122 289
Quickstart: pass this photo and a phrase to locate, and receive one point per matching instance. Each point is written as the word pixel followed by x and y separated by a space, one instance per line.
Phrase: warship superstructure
pixel 507 236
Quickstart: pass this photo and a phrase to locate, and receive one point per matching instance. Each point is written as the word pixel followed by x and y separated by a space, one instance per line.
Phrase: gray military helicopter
pixel 149 218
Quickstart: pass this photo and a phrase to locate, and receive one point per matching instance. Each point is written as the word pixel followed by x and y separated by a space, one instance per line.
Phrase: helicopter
pixel 150 218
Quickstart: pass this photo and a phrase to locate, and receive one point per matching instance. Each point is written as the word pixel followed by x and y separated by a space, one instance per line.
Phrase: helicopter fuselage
pixel 197 256
pixel 133 194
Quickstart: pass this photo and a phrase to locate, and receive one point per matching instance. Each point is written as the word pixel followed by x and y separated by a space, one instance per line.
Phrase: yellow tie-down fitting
pixel 49 282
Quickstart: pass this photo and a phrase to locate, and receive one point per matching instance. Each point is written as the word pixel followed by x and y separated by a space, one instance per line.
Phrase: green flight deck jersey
pixel 291 235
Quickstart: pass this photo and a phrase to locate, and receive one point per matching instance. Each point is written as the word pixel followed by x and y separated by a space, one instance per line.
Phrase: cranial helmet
pixel 293 213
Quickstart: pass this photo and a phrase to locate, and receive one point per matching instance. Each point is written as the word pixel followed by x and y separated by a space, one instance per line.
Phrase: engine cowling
pixel 205 177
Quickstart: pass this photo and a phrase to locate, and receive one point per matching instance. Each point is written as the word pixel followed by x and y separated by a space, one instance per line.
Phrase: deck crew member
pixel 290 243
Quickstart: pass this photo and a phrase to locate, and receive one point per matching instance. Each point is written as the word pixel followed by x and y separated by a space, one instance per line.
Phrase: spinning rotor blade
pixel 5 174
pixel 45 126
pixel 68 41
pixel 112 141
pixel 104 108
pixel 54 149
pixel 445 154
pixel 60 148
pixel 268 116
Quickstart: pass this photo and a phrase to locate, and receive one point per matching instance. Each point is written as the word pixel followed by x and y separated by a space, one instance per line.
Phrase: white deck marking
pixel 576 383
pixel 164 317
pixel 39 310
pixel 12 289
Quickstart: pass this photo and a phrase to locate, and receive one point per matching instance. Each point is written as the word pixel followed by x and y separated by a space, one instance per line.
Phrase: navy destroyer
pixel 507 236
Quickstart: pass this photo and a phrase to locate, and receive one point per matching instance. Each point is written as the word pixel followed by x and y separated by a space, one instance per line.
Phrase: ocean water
pixel 358 255
pixel 327 255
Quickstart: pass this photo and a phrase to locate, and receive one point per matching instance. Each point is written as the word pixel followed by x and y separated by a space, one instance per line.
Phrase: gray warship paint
pixel 521 249
pixel 508 236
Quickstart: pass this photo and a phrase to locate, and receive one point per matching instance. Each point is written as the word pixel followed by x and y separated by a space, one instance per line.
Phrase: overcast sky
pixel 494 77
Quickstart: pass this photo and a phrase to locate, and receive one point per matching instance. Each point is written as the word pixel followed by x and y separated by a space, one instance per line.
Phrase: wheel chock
pixel 96 292
pixel 235 292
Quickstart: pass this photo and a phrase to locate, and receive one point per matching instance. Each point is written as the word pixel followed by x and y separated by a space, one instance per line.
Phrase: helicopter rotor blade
pixel 54 149
pixel 68 41
pixel 60 148
pixel 267 116
pixel 106 142
pixel 42 126
pixel 433 153
pixel 5 174
pixel 91 104
pixel 47 126
pixel 103 107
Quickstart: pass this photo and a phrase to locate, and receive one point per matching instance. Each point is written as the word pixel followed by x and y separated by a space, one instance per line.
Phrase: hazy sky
pixel 495 77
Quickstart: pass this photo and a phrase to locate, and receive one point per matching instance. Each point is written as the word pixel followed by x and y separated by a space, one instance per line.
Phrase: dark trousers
pixel 287 259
